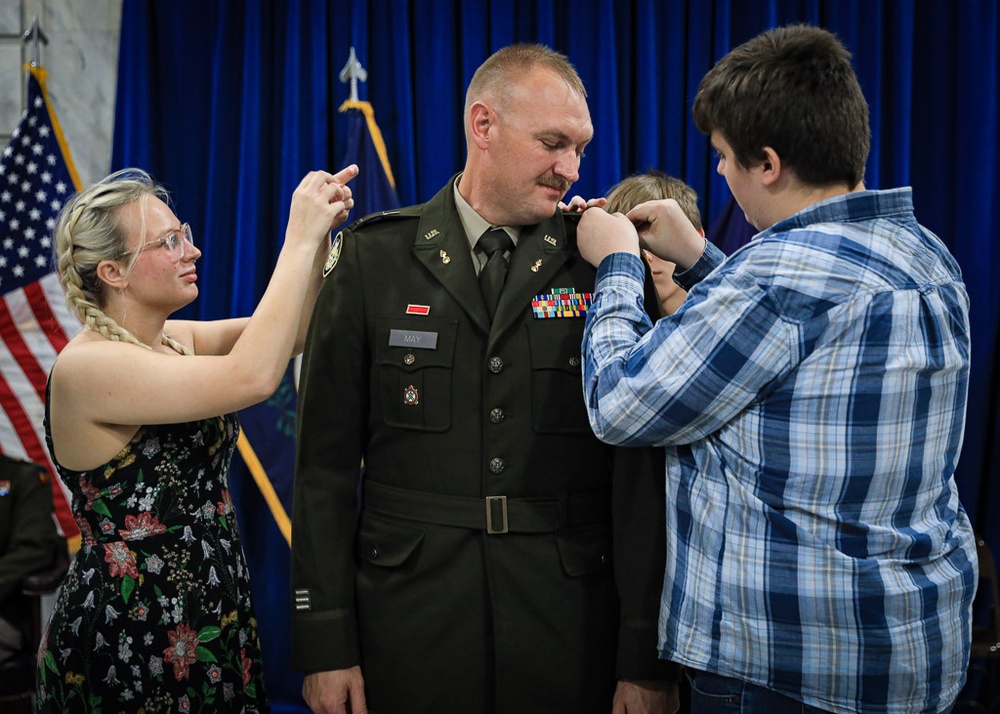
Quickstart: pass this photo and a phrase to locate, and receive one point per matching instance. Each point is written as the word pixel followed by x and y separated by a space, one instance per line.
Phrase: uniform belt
pixel 493 514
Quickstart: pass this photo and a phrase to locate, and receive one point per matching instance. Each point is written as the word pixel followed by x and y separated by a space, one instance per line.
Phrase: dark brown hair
pixel 793 89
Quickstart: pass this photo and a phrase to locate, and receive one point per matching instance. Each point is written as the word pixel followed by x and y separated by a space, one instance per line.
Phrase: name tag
pixel 414 339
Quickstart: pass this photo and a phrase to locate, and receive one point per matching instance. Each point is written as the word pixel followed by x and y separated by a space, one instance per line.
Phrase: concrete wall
pixel 81 59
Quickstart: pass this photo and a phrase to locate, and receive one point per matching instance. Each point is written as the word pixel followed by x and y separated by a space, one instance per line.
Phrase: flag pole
pixel 34 320
pixel 353 72
pixel 35 35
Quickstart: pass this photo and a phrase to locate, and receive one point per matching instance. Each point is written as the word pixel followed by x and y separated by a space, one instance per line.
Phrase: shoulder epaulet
pixel 13 462
pixel 572 217
pixel 407 212
pixel 370 219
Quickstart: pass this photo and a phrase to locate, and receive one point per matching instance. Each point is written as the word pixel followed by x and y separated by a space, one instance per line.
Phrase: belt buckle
pixel 502 500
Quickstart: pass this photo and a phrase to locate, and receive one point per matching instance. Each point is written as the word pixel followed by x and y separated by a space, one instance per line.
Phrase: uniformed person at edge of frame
pixel 29 542
pixel 478 576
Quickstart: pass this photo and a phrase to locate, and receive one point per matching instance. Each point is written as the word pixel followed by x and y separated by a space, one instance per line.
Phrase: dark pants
pixel 715 694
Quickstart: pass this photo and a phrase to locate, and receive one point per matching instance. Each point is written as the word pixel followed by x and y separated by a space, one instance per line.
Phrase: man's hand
pixel 646 697
pixel 339 691
pixel 578 204
pixel 600 234
pixel 667 232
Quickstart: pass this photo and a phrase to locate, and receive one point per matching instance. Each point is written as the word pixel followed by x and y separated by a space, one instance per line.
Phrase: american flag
pixel 37 176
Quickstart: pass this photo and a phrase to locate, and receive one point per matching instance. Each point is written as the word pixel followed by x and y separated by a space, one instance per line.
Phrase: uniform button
pixel 574 361
pixel 496 365
pixel 409 359
pixel 497 415
pixel 497 465
pixel 374 552
pixel 604 557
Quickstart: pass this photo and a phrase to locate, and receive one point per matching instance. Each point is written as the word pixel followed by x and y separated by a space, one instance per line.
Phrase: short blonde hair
pixel 651 186
pixel 505 67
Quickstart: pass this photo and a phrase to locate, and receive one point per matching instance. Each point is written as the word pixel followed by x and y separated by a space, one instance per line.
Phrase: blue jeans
pixel 715 694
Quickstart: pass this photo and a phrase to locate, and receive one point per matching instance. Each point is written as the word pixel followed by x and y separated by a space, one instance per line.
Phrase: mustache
pixel 556 183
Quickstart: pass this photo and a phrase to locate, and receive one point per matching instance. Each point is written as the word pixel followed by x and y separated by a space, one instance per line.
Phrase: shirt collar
pixel 849 208
pixel 474 224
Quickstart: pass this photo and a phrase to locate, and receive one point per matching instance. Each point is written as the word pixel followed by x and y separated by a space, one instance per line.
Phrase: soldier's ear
pixel 481 121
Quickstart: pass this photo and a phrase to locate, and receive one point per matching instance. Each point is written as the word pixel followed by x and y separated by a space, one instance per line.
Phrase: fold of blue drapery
pixel 229 103
pixel 972 197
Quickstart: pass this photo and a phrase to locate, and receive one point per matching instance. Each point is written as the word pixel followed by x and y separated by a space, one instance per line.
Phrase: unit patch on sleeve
pixel 561 302
pixel 331 260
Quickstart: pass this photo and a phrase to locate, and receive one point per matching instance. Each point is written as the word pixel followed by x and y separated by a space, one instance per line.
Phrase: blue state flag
pixel 375 188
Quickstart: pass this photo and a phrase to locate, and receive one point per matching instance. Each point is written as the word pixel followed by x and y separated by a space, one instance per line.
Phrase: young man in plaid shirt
pixel 811 397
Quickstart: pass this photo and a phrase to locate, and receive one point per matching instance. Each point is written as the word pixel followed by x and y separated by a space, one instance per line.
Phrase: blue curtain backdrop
pixel 230 102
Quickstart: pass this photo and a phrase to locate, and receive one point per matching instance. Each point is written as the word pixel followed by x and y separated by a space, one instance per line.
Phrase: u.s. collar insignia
pixel 331 260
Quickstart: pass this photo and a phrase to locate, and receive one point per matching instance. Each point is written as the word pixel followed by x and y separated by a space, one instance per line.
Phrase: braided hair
pixel 90 230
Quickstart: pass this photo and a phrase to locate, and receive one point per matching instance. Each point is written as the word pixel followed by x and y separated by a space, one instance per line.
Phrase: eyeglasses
pixel 175 242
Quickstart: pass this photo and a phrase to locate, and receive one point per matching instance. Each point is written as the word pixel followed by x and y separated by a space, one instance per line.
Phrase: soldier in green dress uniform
pixel 480 572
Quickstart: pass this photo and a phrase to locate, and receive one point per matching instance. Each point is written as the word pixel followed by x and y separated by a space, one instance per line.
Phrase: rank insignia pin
pixel 445 258
pixel 411 397
pixel 536 266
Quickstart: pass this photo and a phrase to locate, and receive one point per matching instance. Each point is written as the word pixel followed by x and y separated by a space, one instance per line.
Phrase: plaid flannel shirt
pixel 811 395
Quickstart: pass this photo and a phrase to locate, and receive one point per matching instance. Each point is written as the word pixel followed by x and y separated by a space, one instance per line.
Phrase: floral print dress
pixel 155 613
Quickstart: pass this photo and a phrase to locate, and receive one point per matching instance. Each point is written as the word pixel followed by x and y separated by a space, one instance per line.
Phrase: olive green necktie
pixel 494 243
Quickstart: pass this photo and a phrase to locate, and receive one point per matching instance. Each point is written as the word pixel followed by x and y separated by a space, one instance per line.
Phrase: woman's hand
pixel 578 204
pixel 320 203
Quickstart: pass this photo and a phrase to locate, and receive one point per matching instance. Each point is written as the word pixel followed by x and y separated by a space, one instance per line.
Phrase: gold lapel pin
pixel 430 234
pixel 536 266
pixel 445 258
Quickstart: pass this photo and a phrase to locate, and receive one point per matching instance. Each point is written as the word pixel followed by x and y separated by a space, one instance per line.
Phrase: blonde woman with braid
pixel 155 613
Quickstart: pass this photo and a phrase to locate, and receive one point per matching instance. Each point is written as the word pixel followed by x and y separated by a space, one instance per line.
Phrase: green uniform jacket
pixel 28 536
pixel 404 371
